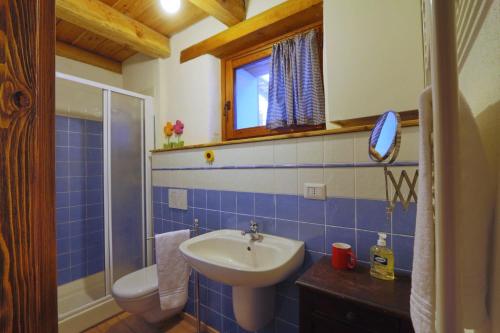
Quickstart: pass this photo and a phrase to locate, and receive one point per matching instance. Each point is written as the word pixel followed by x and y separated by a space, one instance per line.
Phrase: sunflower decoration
pixel 168 130
pixel 209 156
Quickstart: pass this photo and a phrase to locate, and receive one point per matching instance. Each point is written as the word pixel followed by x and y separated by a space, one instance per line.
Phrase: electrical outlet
pixel 177 198
pixel 315 191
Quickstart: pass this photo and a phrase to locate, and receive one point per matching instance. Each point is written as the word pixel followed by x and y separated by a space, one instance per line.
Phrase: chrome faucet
pixel 253 231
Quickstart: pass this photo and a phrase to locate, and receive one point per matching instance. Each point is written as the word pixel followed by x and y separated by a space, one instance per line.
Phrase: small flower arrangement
pixel 209 156
pixel 178 130
pixel 170 129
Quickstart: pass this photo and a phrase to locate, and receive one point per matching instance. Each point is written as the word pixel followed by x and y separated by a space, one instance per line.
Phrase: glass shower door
pixel 127 203
pixel 80 222
pixel 100 189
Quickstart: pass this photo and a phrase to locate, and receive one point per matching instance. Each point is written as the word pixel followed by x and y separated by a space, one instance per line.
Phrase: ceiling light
pixel 171 6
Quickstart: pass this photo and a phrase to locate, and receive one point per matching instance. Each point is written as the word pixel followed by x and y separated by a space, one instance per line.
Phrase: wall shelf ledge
pixel 342 130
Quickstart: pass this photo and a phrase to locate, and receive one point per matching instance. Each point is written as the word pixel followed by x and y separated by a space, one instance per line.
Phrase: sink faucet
pixel 253 231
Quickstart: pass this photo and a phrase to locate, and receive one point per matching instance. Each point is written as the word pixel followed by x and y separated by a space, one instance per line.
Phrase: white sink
pixel 252 267
pixel 227 256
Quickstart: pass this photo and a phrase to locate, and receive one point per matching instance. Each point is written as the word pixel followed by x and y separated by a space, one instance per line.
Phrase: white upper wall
pixel 373 57
pixel 140 74
pixel 191 91
pixel 89 72
pixel 255 7
pixel 480 82
pixel 480 76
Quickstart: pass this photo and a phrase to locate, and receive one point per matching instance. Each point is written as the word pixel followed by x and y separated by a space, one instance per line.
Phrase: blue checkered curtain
pixel 296 95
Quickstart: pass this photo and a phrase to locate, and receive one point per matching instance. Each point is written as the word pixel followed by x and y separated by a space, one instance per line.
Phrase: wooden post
pixel 28 290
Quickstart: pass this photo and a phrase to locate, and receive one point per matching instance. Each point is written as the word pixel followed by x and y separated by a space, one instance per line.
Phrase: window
pixel 251 84
pixel 245 93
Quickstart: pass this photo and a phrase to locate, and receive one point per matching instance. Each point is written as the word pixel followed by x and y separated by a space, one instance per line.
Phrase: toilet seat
pixel 136 284
pixel 137 293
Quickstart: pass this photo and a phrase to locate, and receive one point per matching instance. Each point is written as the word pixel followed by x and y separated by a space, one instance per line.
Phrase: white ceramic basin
pixel 229 257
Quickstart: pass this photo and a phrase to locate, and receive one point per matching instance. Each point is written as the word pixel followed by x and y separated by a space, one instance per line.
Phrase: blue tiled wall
pixel 79 198
pixel 317 223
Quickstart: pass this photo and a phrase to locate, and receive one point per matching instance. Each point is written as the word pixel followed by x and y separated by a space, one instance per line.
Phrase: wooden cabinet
pixel 352 301
pixel 373 57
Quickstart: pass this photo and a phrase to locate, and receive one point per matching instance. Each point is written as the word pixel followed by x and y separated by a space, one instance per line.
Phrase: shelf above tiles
pixel 288 16
pixel 342 130
pixel 406 116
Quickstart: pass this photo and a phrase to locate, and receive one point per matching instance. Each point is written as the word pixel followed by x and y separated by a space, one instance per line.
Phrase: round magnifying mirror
pixel 385 138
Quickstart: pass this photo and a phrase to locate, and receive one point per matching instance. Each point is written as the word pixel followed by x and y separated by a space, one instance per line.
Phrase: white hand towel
pixel 475 216
pixel 173 270
pixel 422 300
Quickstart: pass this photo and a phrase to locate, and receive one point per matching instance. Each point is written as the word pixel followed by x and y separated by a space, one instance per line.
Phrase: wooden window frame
pixel 235 61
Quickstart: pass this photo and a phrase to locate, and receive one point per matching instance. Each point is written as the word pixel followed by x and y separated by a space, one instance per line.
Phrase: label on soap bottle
pixel 380 260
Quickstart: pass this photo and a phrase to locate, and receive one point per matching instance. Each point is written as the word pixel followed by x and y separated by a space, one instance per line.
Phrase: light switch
pixel 315 191
pixel 177 198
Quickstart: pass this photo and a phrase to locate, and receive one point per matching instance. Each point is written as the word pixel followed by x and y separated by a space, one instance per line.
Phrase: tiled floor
pixel 127 323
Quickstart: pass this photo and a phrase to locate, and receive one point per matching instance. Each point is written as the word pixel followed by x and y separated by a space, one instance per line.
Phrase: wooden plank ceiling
pixel 144 17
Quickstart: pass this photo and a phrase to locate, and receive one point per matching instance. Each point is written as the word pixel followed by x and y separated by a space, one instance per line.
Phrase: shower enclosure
pixel 103 136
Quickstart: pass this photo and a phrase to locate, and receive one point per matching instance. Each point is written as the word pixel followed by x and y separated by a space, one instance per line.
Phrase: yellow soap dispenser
pixel 382 259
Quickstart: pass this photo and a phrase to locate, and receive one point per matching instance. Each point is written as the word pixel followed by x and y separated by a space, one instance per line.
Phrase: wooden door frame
pixel 28 288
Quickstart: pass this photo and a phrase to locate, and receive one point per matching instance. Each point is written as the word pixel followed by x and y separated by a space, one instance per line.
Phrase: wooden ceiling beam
pixel 229 12
pixel 104 20
pixel 78 54
pixel 264 27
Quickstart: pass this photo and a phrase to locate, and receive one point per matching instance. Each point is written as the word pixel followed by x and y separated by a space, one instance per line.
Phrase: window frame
pixel 228 67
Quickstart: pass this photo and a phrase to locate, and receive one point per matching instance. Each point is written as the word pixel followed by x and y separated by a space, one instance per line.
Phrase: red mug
pixel 342 256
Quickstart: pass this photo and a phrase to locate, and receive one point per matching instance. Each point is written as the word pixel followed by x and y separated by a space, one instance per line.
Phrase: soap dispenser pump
pixel 382 259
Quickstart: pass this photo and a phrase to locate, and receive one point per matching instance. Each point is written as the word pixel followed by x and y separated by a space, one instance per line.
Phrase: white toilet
pixel 137 293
